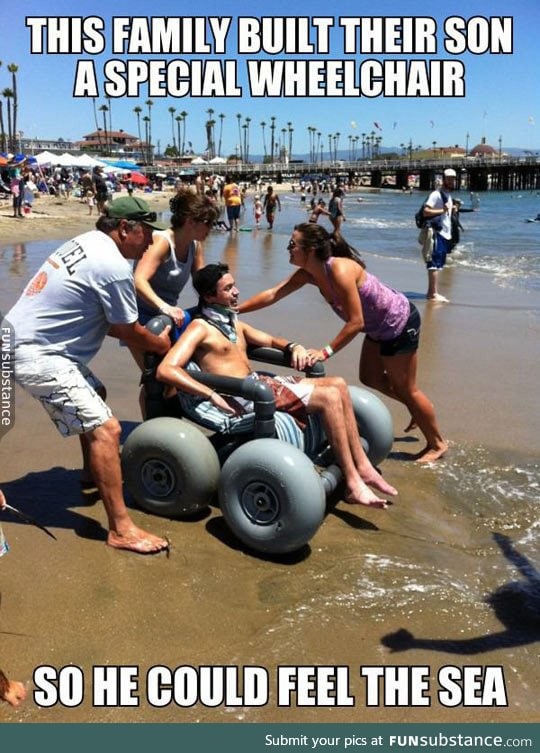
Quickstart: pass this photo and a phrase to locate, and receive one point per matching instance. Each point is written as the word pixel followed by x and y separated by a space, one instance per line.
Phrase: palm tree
pixel 283 149
pixel 210 132
pixel 109 104
pixel 319 146
pixel 104 109
pixel 8 94
pixel 246 140
pixel 2 131
pixel 172 110
pixel 146 121
pixel 221 117
pixel 149 103
pixel 372 138
pixel 290 130
pixel 98 129
pixel 12 68
pixel 184 115
pixel 239 118
pixel 272 139
pixel 263 126
pixel 137 111
pixel 245 128
pixel 179 119
pixel 310 136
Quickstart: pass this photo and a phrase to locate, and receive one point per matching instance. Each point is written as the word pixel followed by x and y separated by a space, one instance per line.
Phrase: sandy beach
pixel 367 573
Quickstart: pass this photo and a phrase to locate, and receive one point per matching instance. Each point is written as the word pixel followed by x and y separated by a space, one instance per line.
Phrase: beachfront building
pixel 36 145
pixel 117 144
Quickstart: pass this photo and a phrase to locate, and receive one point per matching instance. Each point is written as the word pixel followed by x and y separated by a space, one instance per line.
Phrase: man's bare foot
pixel 137 540
pixel 430 454
pixel 15 694
pixel 438 298
pixel 362 495
pixel 411 426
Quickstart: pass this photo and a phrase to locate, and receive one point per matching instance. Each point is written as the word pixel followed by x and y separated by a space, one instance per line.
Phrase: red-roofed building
pixel 115 144
pixel 483 150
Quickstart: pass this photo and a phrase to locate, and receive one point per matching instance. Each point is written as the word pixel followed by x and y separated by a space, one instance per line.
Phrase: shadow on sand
pixel 516 604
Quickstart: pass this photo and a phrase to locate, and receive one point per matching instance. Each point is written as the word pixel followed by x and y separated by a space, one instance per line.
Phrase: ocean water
pixel 456 563
pixel 496 241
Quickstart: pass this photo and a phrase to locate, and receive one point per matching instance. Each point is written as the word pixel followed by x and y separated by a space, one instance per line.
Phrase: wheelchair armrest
pixel 264 405
pixel 282 358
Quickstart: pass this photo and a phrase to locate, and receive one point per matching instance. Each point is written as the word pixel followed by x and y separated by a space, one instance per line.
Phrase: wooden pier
pixel 505 174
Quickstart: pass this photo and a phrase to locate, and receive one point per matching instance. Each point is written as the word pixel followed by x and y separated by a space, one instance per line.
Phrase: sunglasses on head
pixel 143 216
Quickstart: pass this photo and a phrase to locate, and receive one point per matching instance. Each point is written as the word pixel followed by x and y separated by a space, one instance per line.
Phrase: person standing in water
pixel 271 200
pixel 391 323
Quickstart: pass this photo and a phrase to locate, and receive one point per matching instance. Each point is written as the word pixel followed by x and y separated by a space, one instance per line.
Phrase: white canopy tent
pixel 45 158
pixel 85 160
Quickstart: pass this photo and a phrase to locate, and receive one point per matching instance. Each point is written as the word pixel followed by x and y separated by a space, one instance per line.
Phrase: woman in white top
pixel 174 256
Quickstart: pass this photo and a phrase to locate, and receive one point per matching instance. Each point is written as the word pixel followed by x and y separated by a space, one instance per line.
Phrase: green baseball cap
pixel 132 208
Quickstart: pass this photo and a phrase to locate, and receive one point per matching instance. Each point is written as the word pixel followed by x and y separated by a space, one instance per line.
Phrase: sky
pixel 498 91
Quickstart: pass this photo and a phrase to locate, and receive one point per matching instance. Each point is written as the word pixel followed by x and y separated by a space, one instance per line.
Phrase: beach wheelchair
pixel 271 478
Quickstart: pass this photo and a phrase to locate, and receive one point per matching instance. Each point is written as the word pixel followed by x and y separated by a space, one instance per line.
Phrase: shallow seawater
pixel 449 575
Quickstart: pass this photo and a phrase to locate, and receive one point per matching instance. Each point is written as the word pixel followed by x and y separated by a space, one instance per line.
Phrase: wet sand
pixel 75 601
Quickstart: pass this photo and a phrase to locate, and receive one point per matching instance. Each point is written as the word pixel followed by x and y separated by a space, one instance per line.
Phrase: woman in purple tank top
pixel 391 323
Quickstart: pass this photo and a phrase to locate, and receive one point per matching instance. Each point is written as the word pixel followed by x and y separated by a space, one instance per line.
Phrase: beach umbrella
pixel 123 164
pixel 139 179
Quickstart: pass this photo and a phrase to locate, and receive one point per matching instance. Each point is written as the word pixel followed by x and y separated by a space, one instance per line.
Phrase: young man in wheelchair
pixel 217 342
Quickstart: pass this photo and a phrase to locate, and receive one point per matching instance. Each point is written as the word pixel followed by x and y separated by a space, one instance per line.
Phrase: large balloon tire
pixel 374 423
pixel 271 496
pixel 170 467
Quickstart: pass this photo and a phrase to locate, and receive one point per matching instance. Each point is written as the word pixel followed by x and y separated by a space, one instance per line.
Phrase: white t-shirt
pixel 80 290
pixel 435 201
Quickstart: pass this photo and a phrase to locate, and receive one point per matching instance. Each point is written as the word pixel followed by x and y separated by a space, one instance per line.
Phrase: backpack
pixel 419 218
pixel 422 221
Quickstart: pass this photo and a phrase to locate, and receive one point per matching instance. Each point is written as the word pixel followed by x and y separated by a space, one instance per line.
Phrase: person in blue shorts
pixel 438 209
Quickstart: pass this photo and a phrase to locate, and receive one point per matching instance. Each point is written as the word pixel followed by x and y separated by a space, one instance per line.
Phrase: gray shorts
pixel 67 390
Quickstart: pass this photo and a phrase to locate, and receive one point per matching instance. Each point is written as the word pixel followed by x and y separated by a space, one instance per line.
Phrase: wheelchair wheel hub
pixel 260 503
pixel 157 477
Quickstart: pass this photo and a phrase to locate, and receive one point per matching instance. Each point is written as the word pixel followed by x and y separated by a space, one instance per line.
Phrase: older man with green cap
pixel 84 291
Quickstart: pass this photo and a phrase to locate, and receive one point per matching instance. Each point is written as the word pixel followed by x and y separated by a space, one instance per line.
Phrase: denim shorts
pixel 407 341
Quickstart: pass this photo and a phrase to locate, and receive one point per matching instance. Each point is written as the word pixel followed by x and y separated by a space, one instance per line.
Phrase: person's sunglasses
pixel 143 216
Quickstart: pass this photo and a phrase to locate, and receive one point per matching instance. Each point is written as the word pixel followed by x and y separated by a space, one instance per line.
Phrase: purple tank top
pixel 385 310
